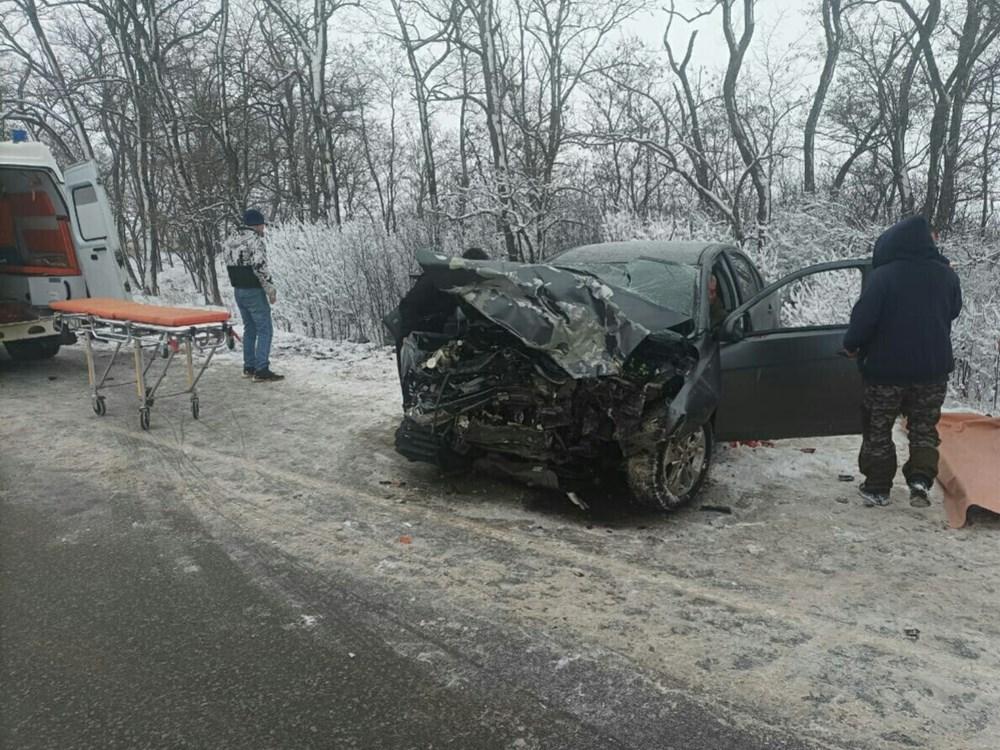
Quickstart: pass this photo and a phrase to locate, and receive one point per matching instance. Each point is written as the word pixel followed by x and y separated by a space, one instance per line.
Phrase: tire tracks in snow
pixel 252 514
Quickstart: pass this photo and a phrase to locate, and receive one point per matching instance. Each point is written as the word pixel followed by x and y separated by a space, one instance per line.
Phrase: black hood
pixel 909 239
pixel 586 326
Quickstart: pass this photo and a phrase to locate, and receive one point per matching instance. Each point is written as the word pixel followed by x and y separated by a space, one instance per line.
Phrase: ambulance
pixel 57 241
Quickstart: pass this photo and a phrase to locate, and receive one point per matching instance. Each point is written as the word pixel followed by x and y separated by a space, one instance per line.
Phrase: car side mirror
pixel 733 328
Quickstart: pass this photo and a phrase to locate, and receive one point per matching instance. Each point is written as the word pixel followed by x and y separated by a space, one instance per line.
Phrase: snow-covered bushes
pixel 337 283
pixel 976 334
pixel 333 284
pixel 693 226
pixel 799 235
pixel 820 299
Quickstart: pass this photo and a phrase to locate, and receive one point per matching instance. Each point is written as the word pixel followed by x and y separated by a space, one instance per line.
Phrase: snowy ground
pixel 778 596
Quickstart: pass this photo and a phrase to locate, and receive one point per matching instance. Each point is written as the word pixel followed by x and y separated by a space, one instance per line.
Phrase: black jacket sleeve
pixel 865 316
pixel 956 297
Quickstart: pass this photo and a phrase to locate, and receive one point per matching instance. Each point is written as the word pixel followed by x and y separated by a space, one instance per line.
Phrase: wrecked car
pixel 631 357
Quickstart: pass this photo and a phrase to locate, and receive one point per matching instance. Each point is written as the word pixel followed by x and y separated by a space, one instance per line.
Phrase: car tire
pixel 673 473
pixel 29 350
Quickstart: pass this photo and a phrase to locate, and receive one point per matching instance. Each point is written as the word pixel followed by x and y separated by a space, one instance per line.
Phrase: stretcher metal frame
pixel 161 343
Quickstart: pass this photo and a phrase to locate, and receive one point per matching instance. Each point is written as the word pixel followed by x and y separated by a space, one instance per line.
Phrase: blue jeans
pixel 256 313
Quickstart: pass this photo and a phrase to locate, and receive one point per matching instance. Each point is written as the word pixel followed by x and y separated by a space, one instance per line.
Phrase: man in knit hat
pixel 246 262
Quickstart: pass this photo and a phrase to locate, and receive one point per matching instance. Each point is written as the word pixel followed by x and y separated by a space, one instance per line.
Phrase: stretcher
pixel 153 333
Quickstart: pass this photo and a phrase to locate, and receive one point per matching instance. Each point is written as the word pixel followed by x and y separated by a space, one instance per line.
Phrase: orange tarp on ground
pixel 137 312
pixel 969 469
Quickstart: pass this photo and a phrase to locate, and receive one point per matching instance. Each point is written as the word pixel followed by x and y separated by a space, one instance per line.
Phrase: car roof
pixel 687 253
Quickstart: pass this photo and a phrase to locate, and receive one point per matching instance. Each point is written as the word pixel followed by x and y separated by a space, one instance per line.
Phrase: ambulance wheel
pixel 144 418
pixel 30 350
pixel 195 408
pixel 99 407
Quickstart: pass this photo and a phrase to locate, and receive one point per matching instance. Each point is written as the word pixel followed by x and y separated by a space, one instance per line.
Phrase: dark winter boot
pixel 873 499
pixel 266 376
pixel 919 490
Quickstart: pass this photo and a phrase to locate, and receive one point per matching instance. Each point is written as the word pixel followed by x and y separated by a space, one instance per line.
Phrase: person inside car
pixel 717 311
pixel 475 253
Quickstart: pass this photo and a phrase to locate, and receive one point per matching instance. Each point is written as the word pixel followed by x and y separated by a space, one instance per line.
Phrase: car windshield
pixel 670 285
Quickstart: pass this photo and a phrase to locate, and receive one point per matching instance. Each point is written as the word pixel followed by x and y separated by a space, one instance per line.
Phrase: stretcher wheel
pixel 230 342
pixel 195 408
pixel 144 418
pixel 99 407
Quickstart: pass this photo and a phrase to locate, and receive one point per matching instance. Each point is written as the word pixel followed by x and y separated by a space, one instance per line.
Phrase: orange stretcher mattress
pixel 969 470
pixel 138 312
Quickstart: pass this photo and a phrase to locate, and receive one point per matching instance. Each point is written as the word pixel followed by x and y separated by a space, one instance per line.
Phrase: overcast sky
pixel 785 32
pixel 781 27
pixel 779 24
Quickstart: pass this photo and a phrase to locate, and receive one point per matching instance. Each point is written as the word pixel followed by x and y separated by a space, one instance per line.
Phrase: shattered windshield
pixel 670 285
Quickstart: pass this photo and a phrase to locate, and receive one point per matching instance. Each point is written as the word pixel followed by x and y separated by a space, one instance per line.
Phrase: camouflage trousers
pixel 921 405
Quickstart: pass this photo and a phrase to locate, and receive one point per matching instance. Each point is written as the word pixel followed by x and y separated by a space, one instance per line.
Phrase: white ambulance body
pixel 57 241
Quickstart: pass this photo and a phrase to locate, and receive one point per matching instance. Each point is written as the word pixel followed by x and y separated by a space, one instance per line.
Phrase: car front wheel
pixel 671 474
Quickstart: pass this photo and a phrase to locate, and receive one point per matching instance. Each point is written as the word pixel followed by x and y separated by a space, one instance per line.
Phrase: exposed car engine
pixel 487 393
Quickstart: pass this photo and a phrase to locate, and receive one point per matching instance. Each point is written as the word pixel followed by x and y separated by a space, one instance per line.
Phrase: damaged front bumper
pixel 502 404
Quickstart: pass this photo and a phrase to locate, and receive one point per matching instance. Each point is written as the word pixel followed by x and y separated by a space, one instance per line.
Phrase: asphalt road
pixel 125 623
pixel 106 644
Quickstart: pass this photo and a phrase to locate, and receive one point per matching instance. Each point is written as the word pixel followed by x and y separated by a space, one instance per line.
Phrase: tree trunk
pixel 901 177
pixel 834 34
pixel 988 136
pixel 748 152
pixel 485 18
pixel 79 127
pixel 423 114
pixel 972 43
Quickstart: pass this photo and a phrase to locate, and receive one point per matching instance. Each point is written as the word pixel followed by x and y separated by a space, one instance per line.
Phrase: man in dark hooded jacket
pixel 901 332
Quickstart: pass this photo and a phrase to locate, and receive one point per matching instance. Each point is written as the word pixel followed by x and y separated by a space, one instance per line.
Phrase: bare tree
pixel 885 63
pixel 311 35
pixel 833 31
pixel 51 70
pixel 558 51
pixel 689 102
pixel 413 43
pixel 752 158
pixel 979 29
pixel 485 45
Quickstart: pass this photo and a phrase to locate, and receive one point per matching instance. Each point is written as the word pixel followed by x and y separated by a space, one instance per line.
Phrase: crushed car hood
pixel 586 326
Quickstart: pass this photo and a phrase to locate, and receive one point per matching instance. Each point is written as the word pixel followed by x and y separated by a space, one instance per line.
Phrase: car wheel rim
pixel 683 462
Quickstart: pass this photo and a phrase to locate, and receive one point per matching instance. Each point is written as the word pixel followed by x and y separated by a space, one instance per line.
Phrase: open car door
pixel 784 374
pixel 98 249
